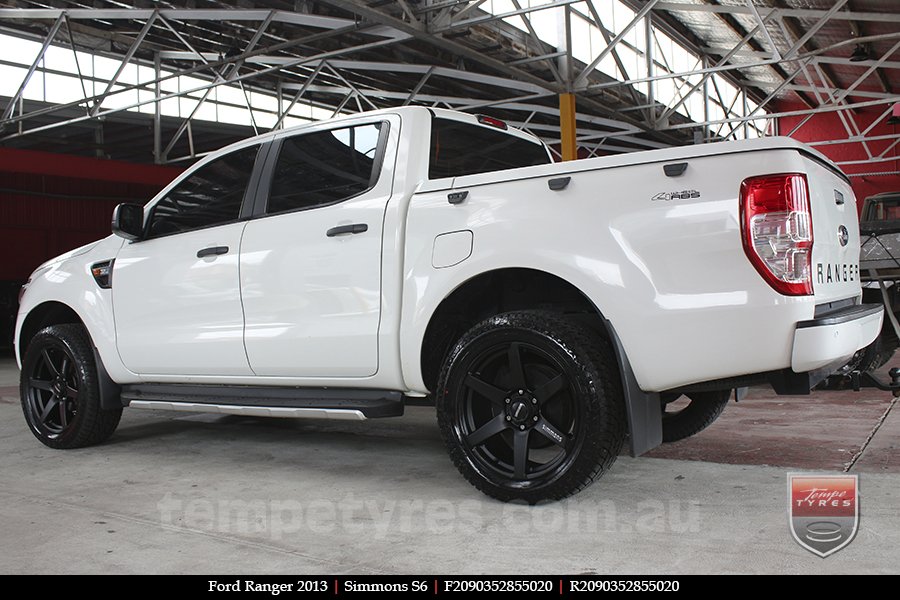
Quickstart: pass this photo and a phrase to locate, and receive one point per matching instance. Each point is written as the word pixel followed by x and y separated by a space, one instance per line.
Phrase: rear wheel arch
pixel 495 292
pixel 509 289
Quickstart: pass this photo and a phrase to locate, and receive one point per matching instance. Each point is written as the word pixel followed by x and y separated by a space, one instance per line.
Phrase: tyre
pixel 701 411
pixel 60 391
pixel 530 406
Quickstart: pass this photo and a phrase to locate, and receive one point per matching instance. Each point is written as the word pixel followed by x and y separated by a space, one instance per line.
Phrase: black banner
pixel 282 586
pixel 286 586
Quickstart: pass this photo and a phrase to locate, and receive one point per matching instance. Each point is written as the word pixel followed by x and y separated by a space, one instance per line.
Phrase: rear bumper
pixel 835 337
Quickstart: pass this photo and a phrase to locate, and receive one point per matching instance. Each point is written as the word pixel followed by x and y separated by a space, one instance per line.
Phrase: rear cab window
pixel 461 148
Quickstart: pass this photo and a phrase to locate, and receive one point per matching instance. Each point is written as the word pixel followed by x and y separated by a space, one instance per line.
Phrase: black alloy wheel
pixel 528 391
pixel 52 391
pixel 530 407
pixel 60 391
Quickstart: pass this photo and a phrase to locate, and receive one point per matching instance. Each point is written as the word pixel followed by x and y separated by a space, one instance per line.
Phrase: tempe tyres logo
pixel 823 511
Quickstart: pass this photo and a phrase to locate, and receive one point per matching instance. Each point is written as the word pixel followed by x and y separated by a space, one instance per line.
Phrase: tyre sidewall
pixel 704 409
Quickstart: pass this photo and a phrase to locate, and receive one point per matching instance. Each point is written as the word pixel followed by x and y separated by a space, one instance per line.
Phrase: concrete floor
pixel 179 494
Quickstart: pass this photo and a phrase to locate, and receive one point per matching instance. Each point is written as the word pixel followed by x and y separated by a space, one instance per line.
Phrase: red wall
pixel 51 203
pixel 828 126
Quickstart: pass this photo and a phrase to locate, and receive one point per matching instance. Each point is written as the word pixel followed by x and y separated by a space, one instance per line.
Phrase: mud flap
pixel 110 391
pixel 644 410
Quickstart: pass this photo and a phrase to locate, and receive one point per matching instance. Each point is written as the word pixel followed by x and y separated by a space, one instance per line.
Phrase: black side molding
pixel 844 315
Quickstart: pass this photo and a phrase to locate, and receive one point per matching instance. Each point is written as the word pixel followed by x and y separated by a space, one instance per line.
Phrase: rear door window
pixel 325 167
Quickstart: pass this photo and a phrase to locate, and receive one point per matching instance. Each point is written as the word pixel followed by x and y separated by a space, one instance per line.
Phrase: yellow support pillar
pixel 567 126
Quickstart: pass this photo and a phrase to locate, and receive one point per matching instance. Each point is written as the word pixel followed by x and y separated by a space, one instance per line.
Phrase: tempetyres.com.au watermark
pixel 380 518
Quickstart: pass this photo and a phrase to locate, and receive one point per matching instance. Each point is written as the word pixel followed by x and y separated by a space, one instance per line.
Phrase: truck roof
pixel 658 155
pixel 399 110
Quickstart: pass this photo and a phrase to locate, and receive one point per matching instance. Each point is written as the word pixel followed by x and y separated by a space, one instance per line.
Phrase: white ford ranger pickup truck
pixel 550 311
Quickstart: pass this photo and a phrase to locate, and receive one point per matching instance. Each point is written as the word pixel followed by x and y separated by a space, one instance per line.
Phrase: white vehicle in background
pixel 344 268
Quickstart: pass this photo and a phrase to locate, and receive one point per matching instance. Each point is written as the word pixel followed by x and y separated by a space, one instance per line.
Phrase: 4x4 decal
pixel 683 195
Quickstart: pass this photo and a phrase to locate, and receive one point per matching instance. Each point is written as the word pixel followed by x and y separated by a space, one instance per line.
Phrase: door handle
pixel 345 229
pixel 212 251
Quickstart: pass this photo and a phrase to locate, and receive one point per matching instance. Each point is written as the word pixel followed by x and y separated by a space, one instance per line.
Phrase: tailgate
pixel 835 258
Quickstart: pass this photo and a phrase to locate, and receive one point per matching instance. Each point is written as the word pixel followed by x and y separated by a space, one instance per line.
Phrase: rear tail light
pixel 776 227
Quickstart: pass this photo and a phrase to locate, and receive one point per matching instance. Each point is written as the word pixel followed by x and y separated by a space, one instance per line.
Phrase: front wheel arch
pixel 54 312
pixel 41 316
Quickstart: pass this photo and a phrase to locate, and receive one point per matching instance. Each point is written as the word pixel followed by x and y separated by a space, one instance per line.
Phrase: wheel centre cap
pixel 520 411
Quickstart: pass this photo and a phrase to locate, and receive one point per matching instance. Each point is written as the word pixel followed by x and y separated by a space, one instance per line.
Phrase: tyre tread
pixel 704 409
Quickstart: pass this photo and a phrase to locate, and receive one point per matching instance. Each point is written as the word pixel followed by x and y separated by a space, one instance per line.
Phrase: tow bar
pixel 868 380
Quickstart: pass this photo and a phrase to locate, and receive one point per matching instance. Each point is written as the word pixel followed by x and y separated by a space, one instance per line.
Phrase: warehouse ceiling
pixel 341 56
pixel 826 31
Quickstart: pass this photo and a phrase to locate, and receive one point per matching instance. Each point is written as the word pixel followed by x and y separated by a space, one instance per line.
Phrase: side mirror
pixel 128 221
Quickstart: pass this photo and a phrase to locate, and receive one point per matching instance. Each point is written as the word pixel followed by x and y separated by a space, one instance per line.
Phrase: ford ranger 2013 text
pixel 345 268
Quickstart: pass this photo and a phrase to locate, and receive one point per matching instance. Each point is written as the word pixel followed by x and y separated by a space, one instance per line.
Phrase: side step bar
pixel 253 411
pixel 297 403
